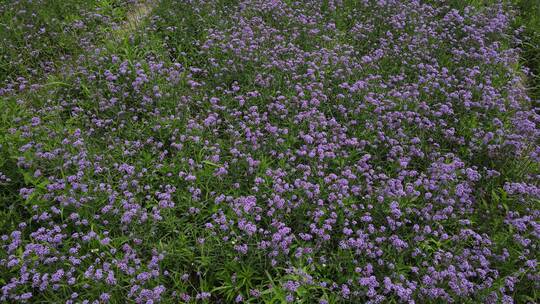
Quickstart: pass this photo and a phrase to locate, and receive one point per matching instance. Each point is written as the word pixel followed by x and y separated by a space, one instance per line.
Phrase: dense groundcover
pixel 267 151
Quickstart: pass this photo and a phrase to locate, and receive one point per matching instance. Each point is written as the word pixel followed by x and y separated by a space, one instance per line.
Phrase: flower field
pixel 269 151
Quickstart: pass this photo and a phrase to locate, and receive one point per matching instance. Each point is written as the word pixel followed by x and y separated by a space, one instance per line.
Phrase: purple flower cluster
pixel 362 151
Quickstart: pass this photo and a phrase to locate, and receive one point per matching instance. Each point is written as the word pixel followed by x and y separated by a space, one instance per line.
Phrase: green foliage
pixel 36 36
pixel 529 18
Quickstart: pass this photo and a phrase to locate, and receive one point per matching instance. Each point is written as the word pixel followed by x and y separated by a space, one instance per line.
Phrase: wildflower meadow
pixel 269 151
